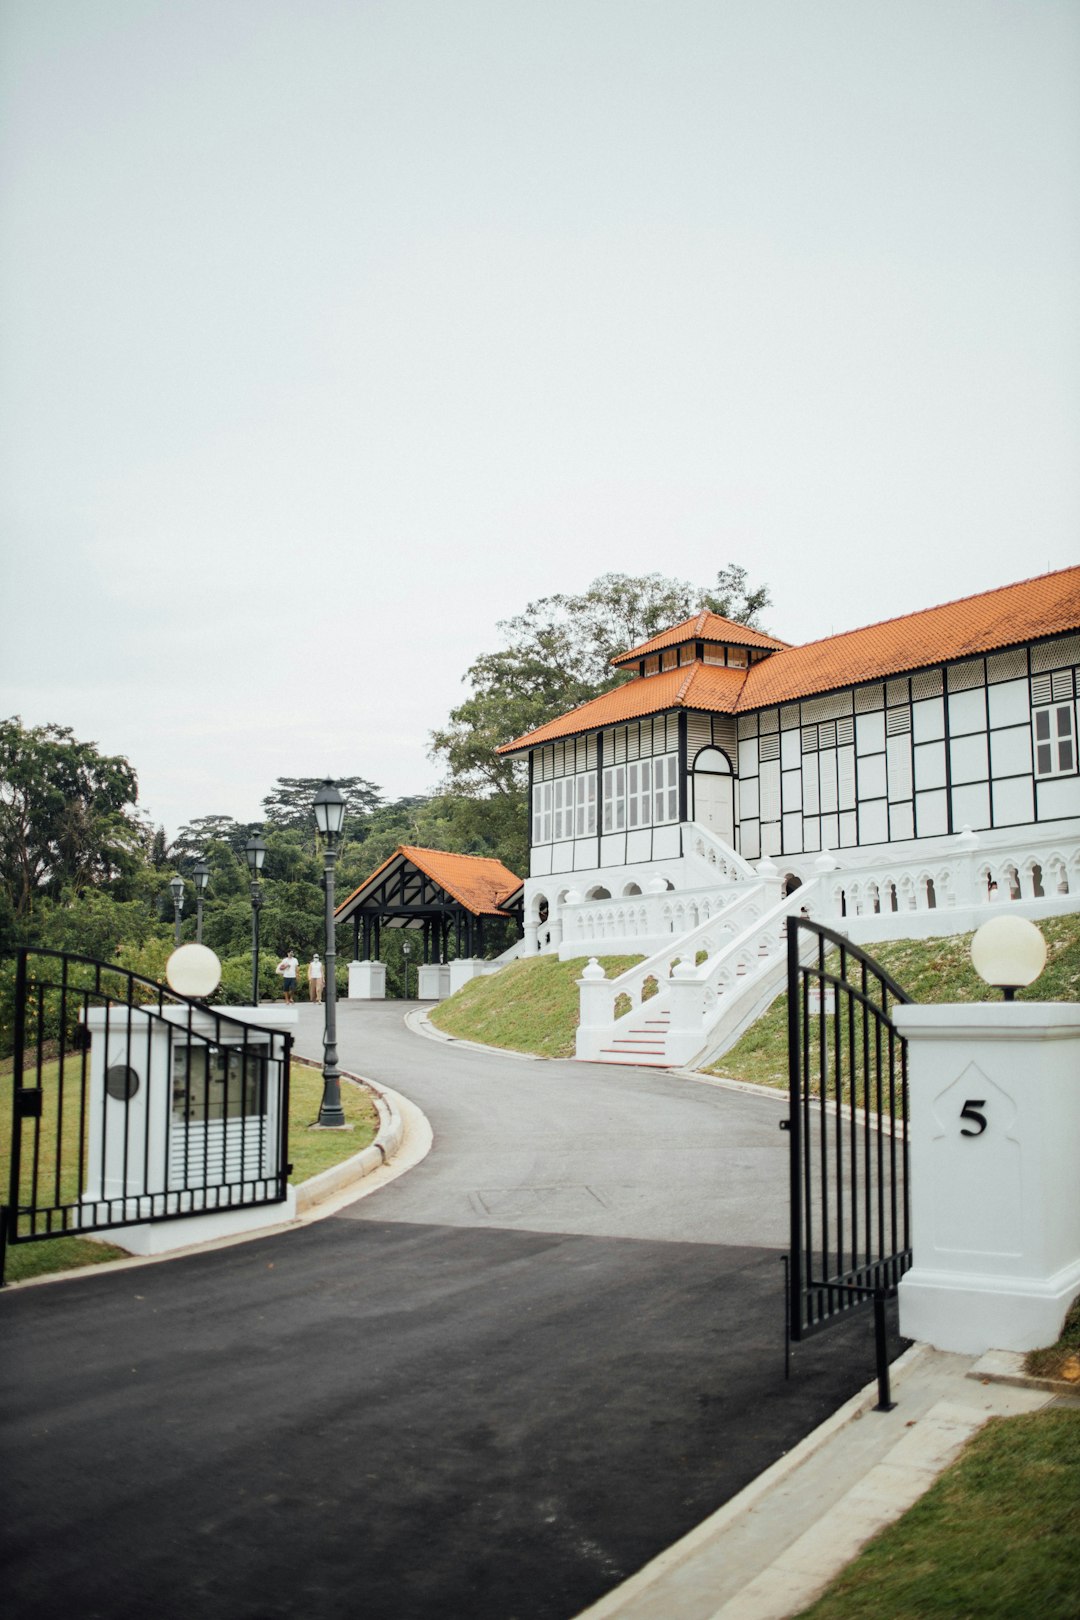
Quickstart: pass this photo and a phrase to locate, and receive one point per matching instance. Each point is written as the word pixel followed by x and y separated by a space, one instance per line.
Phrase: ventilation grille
pixel 827 708
pixel 926 684
pixel 868 698
pixel 963 677
pixel 898 691
pixel 1053 654
pixel 1007 666
pixel 769 747
pixel 897 721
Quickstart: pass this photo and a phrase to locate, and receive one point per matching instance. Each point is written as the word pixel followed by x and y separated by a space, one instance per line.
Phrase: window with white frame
pixel 585 808
pixel 1055 740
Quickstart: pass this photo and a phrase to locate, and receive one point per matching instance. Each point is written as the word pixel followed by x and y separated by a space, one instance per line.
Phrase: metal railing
pixel 850 1206
pixel 132 1104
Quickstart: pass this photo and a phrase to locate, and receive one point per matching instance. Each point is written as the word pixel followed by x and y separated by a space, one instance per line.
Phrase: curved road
pixel 489 1391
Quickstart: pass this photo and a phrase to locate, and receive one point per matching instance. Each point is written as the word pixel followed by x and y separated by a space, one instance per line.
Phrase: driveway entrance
pixel 494 1389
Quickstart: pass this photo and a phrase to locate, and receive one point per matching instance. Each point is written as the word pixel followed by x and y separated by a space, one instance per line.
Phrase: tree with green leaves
pixel 290 801
pixel 558 655
pixel 67 816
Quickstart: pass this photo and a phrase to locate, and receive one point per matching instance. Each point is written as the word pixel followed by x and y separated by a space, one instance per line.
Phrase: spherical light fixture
pixel 1008 952
pixel 193 971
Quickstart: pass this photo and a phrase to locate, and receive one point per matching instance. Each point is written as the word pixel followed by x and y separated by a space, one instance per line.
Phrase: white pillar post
pixel 993 1138
pixel 596 1002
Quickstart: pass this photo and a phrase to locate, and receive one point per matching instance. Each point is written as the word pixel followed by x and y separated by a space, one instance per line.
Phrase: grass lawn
pixel 310 1151
pixel 929 970
pixel 530 1006
pixel 996 1537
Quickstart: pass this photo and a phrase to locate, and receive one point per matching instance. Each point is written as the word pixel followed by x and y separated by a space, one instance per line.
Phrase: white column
pixel 994 1139
pixel 596 1002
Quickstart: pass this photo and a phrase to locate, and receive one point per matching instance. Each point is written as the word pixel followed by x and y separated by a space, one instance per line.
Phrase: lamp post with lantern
pixel 176 884
pixel 255 854
pixel 329 809
pixel 406 949
pixel 202 879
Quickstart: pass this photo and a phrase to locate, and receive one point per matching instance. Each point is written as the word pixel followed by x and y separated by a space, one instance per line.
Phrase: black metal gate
pixel 131 1104
pixel 847 1067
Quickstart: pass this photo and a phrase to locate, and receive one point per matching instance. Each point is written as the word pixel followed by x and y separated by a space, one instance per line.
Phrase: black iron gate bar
pixel 55 1199
pixel 860 1169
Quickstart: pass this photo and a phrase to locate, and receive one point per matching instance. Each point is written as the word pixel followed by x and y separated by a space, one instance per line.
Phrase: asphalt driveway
pixel 493 1389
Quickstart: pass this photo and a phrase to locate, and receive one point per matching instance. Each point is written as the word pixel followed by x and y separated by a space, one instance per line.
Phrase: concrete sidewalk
pixel 770 1551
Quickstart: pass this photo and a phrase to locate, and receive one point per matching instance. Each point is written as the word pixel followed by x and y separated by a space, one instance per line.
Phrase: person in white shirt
pixel 288 967
pixel 315 978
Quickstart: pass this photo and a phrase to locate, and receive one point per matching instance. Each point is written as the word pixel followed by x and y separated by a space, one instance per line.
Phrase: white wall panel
pixel 584 854
pixel 849 830
pixel 1014 802
pixel 1009 703
pixel 928 719
pixel 639 845
pixel 791 788
pixel 811 833
pixel 873 822
pixel 750 840
pixel 870 733
pixel 967 711
pixel 969 760
pixel 901 821
pixel 562 858
pixel 872 777
pixel 971 806
pixel 793 835
pixel 1060 797
pixel 770 839
pixel 830 832
pixel 540 861
pixel 748 757
pixel 1010 751
pixel 748 798
pixel 666 843
pixel 931 813
pixel 930 766
pixel 613 850
pixel 790 749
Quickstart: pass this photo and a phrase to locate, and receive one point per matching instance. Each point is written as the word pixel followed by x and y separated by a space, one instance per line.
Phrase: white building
pixel 925 764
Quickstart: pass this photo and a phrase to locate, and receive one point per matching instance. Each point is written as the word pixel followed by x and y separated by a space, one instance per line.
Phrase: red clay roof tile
pixel 702 626
pixel 480 883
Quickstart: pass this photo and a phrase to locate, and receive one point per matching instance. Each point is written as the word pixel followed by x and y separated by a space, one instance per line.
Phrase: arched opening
pixel 714 793
pixel 791 883
pixel 632 888
pixel 598 892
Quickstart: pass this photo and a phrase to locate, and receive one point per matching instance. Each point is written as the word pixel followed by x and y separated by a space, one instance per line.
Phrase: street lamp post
pixel 255 853
pixel 330 818
pixel 176 884
pixel 406 948
pixel 202 879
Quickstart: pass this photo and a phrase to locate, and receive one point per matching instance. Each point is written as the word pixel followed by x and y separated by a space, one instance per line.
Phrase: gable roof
pixel 1005 617
pixel 713 687
pixel 479 883
pixel 1008 616
pixel 703 626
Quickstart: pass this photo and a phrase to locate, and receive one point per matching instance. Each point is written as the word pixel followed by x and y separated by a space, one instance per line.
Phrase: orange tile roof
pixel 712 687
pixel 480 883
pixel 1044 606
pixel 702 626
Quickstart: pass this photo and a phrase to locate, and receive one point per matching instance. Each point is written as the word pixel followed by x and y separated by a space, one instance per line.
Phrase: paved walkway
pixel 499 1386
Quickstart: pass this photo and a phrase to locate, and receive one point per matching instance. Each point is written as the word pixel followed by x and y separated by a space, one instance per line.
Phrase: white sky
pixel 336 330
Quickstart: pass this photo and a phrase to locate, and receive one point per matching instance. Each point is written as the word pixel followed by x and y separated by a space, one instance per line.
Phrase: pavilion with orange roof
pixel 471 900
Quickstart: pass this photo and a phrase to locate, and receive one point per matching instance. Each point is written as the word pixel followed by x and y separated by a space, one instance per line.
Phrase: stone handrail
pixel 700 842
pixel 646 916
pixel 599 995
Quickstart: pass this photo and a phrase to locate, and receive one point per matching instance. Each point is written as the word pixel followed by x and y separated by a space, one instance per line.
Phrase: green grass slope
pixel 530 1006
pixel 929 970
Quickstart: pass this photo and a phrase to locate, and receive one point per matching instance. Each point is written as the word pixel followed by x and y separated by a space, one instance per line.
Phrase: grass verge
pixel 1060 1360
pixel 530 1006
pixel 929 970
pixel 310 1152
pixel 994 1537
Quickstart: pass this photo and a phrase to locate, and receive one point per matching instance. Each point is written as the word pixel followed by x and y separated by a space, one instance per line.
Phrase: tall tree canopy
pixel 559 653
pixel 289 803
pixel 67 814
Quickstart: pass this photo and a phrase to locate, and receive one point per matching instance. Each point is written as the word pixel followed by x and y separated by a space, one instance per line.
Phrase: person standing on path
pixel 315 978
pixel 288 967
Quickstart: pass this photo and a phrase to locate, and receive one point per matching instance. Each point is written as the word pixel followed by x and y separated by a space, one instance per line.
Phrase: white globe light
pixel 1008 952
pixel 193 970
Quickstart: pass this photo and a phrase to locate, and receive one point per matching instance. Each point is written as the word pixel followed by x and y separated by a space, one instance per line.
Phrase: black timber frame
pixel 406 897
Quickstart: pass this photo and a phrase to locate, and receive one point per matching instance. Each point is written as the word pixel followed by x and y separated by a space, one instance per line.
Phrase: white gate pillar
pixel 994 1136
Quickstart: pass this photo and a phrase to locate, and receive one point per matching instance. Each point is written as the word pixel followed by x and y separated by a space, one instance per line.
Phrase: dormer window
pixel 736 656
pixel 686 654
pixel 652 665
pixel 669 658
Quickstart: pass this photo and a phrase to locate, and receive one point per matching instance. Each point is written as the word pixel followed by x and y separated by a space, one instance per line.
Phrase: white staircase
pixel 678 1006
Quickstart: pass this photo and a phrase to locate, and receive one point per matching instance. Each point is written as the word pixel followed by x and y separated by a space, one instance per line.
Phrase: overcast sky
pixel 335 331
